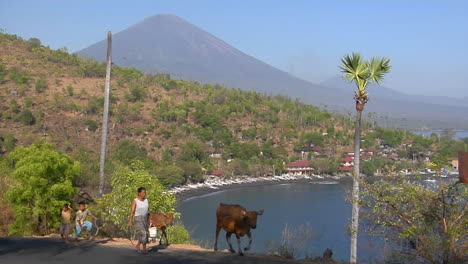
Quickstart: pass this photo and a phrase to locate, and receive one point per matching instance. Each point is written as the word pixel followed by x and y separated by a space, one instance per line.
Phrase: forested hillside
pixel 180 129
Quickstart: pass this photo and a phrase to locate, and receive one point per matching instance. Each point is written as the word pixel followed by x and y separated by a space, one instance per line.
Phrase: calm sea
pixel 321 205
pixel 459 134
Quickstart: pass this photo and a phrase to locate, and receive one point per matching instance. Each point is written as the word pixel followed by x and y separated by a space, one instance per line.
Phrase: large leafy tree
pixel 42 182
pixel 361 72
pixel 115 206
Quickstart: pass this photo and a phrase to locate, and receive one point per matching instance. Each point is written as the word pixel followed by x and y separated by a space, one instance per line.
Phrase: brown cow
pixel 162 221
pixel 235 219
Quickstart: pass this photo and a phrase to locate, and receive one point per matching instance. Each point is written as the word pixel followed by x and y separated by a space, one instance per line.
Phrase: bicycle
pixel 97 225
pixel 134 234
pixel 94 232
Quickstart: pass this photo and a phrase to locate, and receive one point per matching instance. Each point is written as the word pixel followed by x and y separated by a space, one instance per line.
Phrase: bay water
pixel 321 205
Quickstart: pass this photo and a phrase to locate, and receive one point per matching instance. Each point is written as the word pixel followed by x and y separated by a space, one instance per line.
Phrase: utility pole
pixel 105 118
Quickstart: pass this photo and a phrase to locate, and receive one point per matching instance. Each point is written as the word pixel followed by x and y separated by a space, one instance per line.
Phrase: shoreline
pixel 192 191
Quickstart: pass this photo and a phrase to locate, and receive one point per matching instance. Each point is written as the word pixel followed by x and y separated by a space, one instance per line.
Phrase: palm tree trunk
pixel 105 118
pixel 355 194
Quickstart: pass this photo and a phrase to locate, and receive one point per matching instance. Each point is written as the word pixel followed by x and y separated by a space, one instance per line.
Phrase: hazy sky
pixel 427 40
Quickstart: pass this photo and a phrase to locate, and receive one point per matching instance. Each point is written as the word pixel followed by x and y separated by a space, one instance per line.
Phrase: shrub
pixel 90 68
pixel 41 85
pixel 170 175
pixel 127 74
pixel 137 93
pixel 178 234
pixel 126 112
pixel 192 170
pixel 9 142
pixel 92 125
pixel 27 117
pixel 95 104
pixel 21 78
pixel 3 71
pixel 33 43
pixel 14 106
pixel 70 91
pixel 128 151
pixel 28 102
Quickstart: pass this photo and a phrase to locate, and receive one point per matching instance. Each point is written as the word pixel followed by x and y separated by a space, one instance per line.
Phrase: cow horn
pixel 243 213
pixel 260 212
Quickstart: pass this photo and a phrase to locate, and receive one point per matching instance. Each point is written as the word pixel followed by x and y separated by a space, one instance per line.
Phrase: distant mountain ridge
pixel 168 44
pixel 389 93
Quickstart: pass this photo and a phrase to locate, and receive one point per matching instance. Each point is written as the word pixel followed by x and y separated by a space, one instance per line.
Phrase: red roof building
pixel 349 151
pixel 347 158
pixel 300 167
pixel 347 161
pixel 369 150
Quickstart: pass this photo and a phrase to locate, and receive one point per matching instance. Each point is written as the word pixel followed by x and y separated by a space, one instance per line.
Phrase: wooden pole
pixel 105 118
pixel 463 166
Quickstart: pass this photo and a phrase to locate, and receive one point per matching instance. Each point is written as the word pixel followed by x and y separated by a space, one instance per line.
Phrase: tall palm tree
pixel 361 72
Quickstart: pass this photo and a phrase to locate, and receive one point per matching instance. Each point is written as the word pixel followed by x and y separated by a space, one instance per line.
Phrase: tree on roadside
pixel 425 224
pixel 41 183
pixel 361 72
pixel 115 206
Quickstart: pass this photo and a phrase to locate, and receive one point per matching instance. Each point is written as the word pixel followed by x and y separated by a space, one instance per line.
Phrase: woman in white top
pixel 140 214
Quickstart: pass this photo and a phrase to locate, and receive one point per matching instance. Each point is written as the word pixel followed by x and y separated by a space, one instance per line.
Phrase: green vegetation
pixel 3 72
pixel 42 183
pixel 19 77
pixel 179 234
pixel 125 181
pixel 92 125
pixel 165 132
pixel 428 224
pixel 41 85
pixel 27 117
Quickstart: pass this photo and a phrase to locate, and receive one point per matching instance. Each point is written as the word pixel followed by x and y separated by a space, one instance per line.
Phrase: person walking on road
pixel 139 216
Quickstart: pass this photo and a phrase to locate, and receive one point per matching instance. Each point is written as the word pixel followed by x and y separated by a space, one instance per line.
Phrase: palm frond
pixel 377 68
pixel 354 69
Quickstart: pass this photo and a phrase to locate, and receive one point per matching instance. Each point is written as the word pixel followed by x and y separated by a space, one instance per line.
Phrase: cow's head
pixel 251 217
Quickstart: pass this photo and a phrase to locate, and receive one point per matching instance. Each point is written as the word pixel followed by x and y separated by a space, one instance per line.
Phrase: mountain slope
pixel 168 44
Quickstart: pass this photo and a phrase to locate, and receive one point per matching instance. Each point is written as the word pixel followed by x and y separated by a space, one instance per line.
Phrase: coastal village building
pixel 370 151
pixel 347 164
pixel 349 151
pixel 347 161
pixel 318 150
pixel 300 167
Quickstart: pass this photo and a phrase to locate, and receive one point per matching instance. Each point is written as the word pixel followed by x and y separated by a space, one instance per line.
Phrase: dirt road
pixel 52 250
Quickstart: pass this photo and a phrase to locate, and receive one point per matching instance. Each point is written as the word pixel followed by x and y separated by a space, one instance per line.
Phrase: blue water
pixel 323 206
pixel 459 134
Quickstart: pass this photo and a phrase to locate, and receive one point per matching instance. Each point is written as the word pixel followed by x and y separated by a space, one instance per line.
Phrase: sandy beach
pixel 217 185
